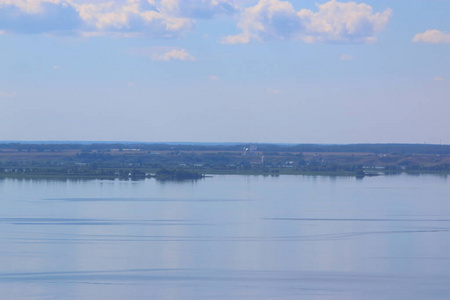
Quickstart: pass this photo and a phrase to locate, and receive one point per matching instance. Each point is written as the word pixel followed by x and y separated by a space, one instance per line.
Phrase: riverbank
pixel 192 161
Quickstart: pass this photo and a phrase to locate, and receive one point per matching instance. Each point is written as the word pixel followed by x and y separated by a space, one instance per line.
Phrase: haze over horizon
pixel 263 71
pixel 88 142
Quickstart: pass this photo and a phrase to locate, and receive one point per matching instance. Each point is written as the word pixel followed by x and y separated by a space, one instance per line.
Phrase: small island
pixel 164 174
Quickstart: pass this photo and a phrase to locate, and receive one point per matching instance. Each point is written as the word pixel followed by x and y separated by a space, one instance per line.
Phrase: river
pixel 226 237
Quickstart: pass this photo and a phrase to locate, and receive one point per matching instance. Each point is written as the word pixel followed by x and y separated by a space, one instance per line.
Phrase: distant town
pixel 171 161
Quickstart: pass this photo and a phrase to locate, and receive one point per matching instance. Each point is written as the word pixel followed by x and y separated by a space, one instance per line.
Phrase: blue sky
pixel 225 71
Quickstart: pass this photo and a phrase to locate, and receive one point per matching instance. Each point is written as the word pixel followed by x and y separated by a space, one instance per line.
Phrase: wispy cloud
pixel 334 21
pixel 163 53
pixel 176 54
pixel 438 78
pixel 432 36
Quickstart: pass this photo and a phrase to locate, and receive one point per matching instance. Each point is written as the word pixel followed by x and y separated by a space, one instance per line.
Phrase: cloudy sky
pixel 375 71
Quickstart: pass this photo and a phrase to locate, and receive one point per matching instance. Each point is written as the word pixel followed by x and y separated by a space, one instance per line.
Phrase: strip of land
pixel 191 161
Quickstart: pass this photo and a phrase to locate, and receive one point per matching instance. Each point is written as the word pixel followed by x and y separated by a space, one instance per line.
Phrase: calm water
pixel 226 237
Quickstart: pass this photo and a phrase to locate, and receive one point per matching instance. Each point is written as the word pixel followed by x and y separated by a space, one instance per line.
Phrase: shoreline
pixel 211 174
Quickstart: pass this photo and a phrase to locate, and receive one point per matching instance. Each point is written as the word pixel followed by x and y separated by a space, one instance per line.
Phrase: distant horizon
pixel 197 143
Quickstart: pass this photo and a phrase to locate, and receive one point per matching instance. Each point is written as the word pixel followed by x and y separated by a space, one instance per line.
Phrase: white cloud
pixel 432 36
pixel 333 22
pixel 7 94
pixel 130 19
pixel 38 16
pixel 30 6
pixel 177 54
pixel 346 57
pixel 163 53
pixel 127 18
pixel 274 91
pixel 124 18
pixel 438 79
pixel 236 39
pixel 56 67
pixel 267 20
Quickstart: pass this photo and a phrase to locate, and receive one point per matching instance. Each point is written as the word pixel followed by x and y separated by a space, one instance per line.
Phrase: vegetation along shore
pixel 185 161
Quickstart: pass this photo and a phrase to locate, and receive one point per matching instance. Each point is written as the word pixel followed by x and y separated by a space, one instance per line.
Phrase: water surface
pixel 226 237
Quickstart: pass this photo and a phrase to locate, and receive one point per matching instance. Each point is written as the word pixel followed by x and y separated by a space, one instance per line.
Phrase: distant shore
pixel 191 161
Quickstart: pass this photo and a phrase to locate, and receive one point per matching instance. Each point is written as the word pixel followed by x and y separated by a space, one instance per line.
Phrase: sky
pixel 260 71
